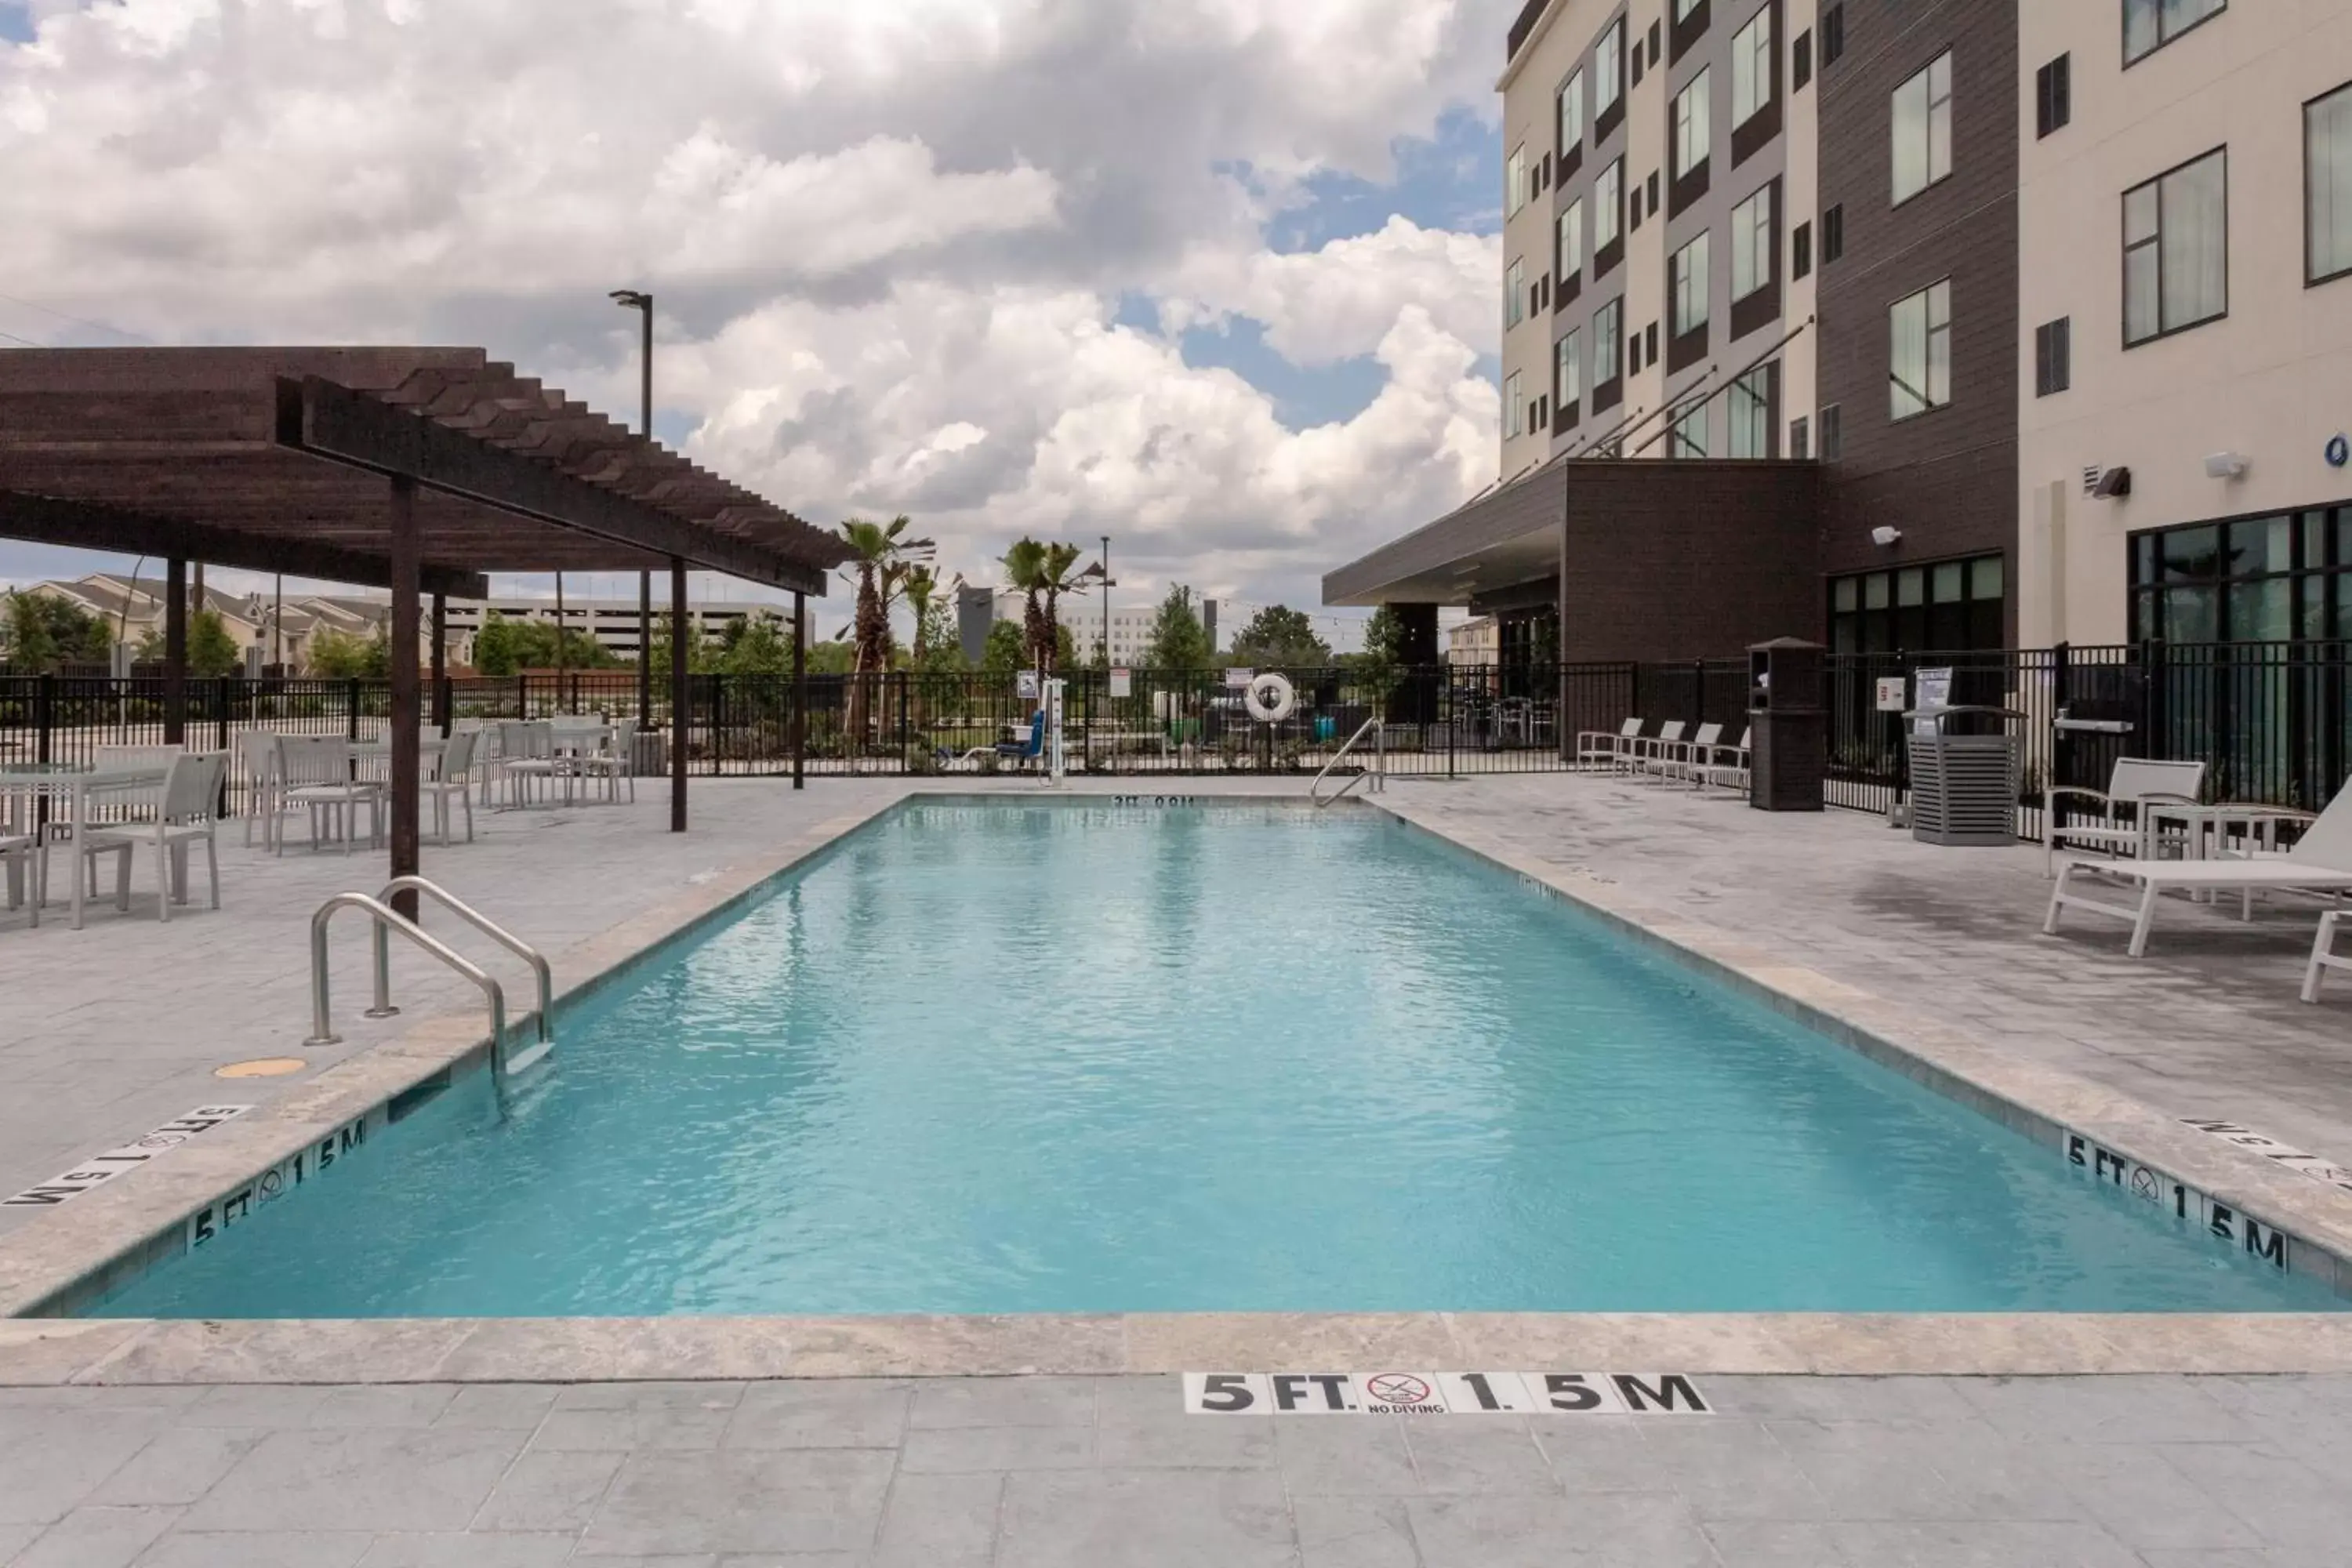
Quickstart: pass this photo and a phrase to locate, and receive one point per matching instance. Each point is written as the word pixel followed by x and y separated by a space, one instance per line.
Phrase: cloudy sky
pixel 1217 277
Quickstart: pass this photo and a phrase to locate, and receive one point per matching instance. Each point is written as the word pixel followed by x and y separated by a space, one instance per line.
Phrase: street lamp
pixel 1100 572
pixel 637 299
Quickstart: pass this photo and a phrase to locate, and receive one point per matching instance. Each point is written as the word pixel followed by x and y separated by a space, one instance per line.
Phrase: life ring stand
pixel 1271 698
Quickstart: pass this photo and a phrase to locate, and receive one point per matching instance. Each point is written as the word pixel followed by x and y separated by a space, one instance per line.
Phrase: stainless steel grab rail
pixel 489 928
pixel 1377 772
pixel 386 917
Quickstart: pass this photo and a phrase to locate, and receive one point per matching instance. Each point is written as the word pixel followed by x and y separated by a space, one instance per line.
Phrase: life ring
pixel 1270 699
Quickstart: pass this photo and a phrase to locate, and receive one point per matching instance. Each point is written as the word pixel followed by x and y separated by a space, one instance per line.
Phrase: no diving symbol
pixel 1397 1388
pixel 2144 1183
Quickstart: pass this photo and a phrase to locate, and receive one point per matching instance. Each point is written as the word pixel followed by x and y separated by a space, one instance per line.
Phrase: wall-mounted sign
pixel 1122 683
pixel 1238 679
pixel 1024 685
pixel 1890 694
pixel 2340 450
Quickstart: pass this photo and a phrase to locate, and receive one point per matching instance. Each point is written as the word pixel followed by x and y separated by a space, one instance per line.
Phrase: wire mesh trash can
pixel 1964 775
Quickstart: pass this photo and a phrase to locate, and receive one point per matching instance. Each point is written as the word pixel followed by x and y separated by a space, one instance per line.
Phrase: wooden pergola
pixel 416 469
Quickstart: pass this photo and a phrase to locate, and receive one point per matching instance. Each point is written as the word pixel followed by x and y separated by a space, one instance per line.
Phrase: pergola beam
pixel 45 519
pixel 318 418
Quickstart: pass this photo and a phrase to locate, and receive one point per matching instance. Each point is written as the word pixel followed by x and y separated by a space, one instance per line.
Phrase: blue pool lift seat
pixel 1026 747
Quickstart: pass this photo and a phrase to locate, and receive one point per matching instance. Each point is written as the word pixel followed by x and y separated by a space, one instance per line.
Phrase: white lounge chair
pixel 257 759
pixel 1685 759
pixel 187 810
pixel 1608 748
pixel 2323 956
pixel 314 773
pixel 615 761
pixel 2136 783
pixel 22 854
pixel 1727 767
pixel 2320 862
pixel 1648 748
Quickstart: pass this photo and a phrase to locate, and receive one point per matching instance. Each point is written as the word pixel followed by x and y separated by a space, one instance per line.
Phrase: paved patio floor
pixel 1107 1473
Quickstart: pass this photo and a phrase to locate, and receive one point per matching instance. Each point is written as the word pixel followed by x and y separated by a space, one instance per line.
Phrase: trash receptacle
pixel 1964 775
pixel 1789 724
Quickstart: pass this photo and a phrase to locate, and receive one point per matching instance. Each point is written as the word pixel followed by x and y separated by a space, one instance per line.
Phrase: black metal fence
pixel 2273 721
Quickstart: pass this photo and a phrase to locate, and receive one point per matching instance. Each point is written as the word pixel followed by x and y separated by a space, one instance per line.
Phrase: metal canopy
pixel 274 460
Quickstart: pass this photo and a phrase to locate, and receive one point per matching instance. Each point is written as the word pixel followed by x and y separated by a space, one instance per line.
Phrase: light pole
pixel 638 300
pixel 1108 583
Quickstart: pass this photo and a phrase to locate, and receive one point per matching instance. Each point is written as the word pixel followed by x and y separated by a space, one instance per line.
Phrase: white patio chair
pixel 450 773
pixel 187 810
pixel 614 761
pixel 1727 767
pixel 314 772
pixel 1649 750
pixel 20 850
pixel 526 751
pixel 2320 862
pixel 2135 784
pixel 1686 760
pixel 257 763
pixel 1607 748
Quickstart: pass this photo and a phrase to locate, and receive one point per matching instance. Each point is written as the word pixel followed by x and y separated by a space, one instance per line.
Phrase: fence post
pixel 44 707
pixel 2053 807
pixel 352 708
pixel 2151 697
pixel 1442 680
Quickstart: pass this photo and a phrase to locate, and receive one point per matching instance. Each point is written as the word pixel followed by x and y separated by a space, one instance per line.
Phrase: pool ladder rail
pixel 385 919
pixel 1377 773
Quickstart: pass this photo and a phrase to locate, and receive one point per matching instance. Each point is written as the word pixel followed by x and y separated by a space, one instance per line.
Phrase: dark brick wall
pixel 1688 560
pixel 1947 478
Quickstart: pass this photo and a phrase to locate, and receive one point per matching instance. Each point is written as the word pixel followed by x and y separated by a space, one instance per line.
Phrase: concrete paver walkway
pixel 1107 1472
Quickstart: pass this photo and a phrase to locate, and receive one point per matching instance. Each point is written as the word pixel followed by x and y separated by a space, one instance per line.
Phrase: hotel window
pixel 1949 606
pixel 1751 67
pixel 1832 234
pixel 1690 431
pixel 1608 79
pixel 2054 355
pixel 1688 286
pixel 1514 295
pixel 1607 332
pixel 1919 351
pixel 1833 37
pixel 1800 434
pixel 1515 406
pixel 2283 578
pixel 1801 62
pixel 2176 249
pixel 1801 250
pixel 1571 120
pixel 1690 23
pixel 2149 25
pixel 2327 186
pixel 1690 145
pixel 1751 407
pixel 1923 129
pixel 2053 96
pixel 1568 372
pixel 1608 205
pixel 1751 245
pixel 1832 432
pixel 1571 257
pixel 1515 177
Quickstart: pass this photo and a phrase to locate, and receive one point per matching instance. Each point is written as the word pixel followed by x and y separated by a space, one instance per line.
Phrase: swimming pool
pixel 1063 1056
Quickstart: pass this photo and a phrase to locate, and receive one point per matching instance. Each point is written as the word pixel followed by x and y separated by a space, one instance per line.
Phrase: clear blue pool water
pixel 1064 1057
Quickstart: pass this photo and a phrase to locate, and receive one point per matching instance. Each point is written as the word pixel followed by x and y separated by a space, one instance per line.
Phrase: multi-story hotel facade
pixel 1759 351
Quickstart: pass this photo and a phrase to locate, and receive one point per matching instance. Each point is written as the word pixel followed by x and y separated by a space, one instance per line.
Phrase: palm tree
pixel 882 554
pixel 1025 568
pixel 922 585
pixel 1059 561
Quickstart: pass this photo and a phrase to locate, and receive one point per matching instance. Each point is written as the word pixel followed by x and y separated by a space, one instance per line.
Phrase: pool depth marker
pixel 1442 1394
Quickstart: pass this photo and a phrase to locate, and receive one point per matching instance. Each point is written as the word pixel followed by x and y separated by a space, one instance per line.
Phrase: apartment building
pixel 2185 388
pixel 1759 334
pixel 612 623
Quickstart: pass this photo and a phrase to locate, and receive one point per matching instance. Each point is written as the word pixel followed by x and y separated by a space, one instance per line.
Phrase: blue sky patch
pixel 1302 395
pixel 15 22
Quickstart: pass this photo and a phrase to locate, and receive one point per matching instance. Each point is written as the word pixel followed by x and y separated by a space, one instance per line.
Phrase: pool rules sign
pixel 1442 1394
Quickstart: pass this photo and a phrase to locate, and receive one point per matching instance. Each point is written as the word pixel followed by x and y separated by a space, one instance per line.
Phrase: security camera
pixel 2225 465
pixel 1884 537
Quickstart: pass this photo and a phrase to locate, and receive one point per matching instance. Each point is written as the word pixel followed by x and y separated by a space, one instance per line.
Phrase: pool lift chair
pixel 1020 750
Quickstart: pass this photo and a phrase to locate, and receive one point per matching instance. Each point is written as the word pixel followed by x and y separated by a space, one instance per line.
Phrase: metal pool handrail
pixel 489 928
pixel 322 1031
pixel 1377 772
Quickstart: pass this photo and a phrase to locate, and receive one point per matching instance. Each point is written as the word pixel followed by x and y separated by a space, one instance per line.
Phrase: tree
pixel 697 650
pixel 882 557
pixel 494 650
pixel 1061 561
pixel 540 644
pixel 1025 568
pixel 338 655
pixel 1384 638
pixel 830 658
pixel 1278 636
pixel 753 646
pixel 46 632
pixel 922 587
pixel 1178 641
pixel 1008 648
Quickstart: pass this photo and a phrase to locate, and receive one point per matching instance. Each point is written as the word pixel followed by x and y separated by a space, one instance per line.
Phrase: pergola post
pixel 175 650
pixel 678 694
pixel 407 713
pixel 441 704
pixel 645 654
pixel 800 685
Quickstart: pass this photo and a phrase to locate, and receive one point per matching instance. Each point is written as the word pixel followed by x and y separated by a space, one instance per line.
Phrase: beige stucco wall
pixel 1801 191
pixel 2272 380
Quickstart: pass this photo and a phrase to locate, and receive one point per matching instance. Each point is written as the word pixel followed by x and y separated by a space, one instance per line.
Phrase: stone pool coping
pixel 78 1254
